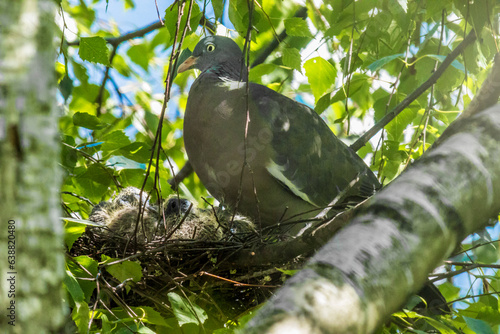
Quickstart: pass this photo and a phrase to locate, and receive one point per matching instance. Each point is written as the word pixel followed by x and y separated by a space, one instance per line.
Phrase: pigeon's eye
pixel 210 48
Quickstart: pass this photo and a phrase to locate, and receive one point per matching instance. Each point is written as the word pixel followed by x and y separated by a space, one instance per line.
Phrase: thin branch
pixel 281 252
pixel 183 173
pixel 127 36
pixel 98 162
pixel 115 41
pixel 469 264
pixel 104 80
pixel 471 37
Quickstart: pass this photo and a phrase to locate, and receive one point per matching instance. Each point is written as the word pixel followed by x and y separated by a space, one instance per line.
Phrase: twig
pixel 473 296
pixel 94 160
pixel 469 264
pixel 471 37
pixel 439 277
pixel 180 223
pixel 104 80
pixel 236 283
pixel 127 36
pixel 78 196
pixel 181 175
pixel 115 41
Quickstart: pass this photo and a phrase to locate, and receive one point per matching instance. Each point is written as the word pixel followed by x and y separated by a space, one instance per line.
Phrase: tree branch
pixel 127 36
pixel 413 225
pixel 471 37
pixel 282 252
pixel 183 173
pixel 115 41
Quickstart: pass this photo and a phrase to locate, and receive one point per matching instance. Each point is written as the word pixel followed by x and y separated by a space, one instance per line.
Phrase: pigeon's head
pixel 213 52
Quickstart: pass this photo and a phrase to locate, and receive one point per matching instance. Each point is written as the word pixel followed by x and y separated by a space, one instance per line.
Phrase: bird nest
pixel 181 249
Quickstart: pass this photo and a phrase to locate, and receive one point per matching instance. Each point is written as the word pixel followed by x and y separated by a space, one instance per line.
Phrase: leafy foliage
pixel 356 60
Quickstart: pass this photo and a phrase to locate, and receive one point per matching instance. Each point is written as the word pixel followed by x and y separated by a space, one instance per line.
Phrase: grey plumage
pixel 295 166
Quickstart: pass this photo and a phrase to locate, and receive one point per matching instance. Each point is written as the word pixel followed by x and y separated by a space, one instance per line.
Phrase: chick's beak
pixel 187 64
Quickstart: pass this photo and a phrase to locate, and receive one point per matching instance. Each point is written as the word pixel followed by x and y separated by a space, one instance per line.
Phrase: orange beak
pixel 187 64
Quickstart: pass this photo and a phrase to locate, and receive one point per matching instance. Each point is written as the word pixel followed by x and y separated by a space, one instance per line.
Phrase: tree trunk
pixel 369 269
pixel 31 232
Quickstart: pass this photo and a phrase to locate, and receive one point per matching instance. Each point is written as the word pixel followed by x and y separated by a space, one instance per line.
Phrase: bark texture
pixel 368 270
pixel 29 174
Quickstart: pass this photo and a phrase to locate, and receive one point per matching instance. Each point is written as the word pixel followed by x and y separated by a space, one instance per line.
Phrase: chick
pixel 179 219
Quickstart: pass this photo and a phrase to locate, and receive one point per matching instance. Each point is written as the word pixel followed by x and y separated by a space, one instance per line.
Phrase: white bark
pixel 368 270
pixel 29 174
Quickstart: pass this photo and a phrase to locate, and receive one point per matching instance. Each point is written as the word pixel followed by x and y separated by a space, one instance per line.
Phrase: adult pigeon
pixel 260 152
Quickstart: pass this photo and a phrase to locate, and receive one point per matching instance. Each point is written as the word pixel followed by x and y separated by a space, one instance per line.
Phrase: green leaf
pixel 128 4
pixel 81 222
pixel 185 54
pixel 296 26
pixel 106 324
pixel 144 313
pixel 186 312
pixel 150 315
pixel 456 64
pixel 132 177
pixel 357 82
pixel 487 253
pixel 94 49
pixel 72 231
pixel 322 103
pixel 121 66
pixel 66 87
pixel 134 328
pixel 288 272
pixel 449 291
pixel 239 16
pixel 260 70
pixel 87 285
pixel 321 76
pixel 384 60
pixel 125 270
pixel 114 141
pixel 443 329
pixel 396 127
pixel 480 12
pixel 292 58
pixel 81 316
pixel 88 121
pixel 478 326
pixel 72 286
pixel 84 97
pixel 171 16
pixel 237 9
pixel 162 37
pixel 140 54
pixel 137 151
pixel 93 182
pixel 218 6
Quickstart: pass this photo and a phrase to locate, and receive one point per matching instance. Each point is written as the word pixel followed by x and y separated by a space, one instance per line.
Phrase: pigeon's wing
pixel 307 158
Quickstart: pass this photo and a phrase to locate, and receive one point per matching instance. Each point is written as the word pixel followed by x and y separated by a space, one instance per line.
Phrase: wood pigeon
pixel 259 152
